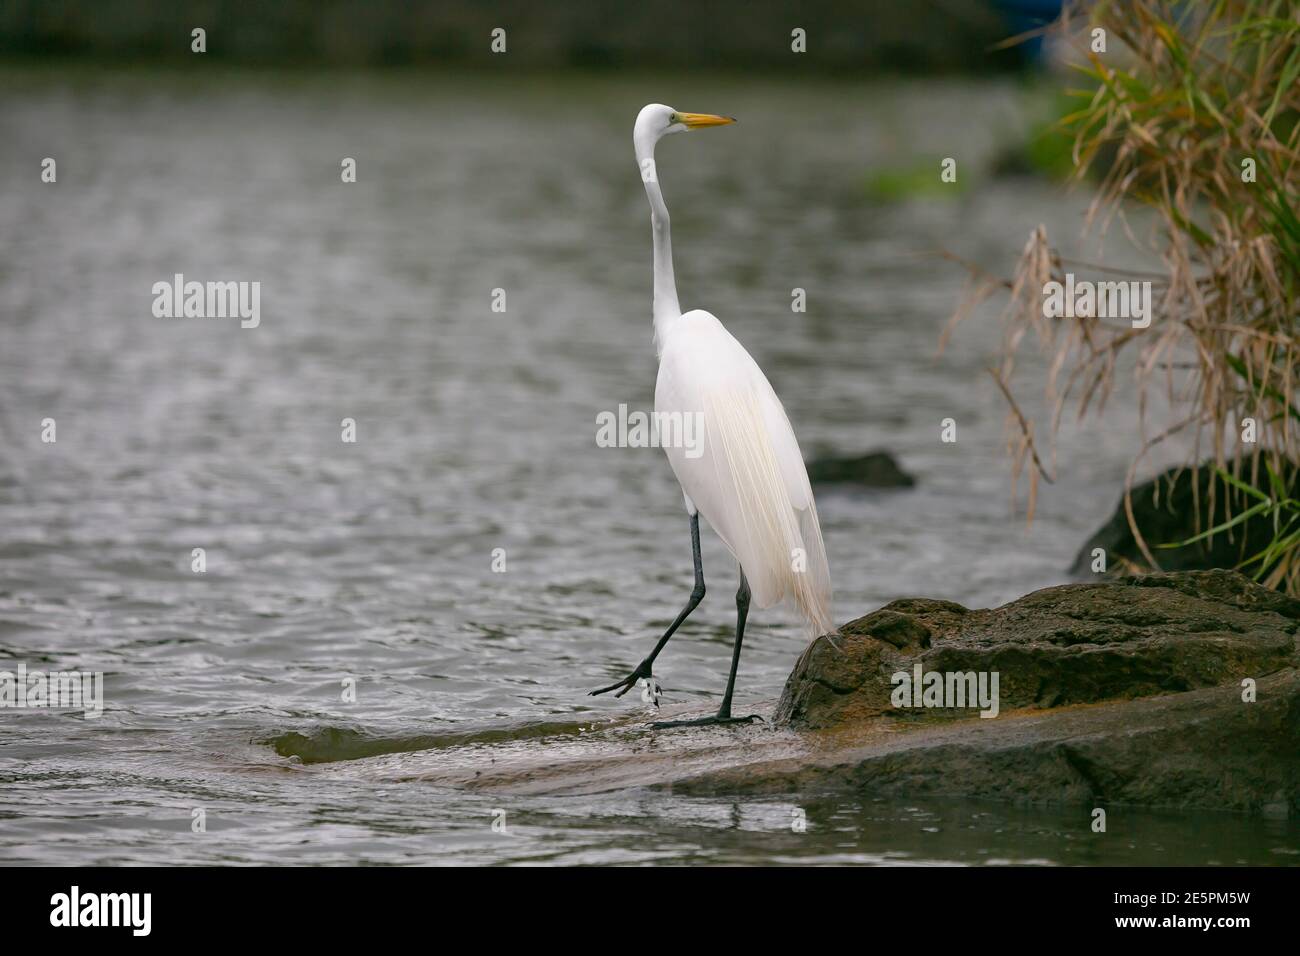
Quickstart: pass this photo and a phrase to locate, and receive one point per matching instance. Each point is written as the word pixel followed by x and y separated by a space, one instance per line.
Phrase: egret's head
pixel 656 121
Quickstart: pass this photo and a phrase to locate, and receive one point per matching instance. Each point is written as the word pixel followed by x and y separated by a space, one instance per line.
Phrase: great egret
pixel 748 478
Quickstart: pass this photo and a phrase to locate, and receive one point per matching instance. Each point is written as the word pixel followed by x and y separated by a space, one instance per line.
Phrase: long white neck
pixel 666 308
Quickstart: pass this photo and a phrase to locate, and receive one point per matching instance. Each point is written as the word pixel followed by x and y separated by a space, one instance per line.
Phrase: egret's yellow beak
pixel 698 120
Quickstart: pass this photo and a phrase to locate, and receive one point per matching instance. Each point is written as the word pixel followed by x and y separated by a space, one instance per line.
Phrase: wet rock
pixel 1131 691
pixel 1201 749
pixel 1165 509
pixel 1074 644
pixel 875 469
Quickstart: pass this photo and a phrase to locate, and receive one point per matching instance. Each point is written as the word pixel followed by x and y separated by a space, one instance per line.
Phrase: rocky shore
pixel 1174 689
pixel 1177 690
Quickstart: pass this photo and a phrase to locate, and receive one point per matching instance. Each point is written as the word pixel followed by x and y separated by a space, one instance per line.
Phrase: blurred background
pixel 930 36
pixel 373 561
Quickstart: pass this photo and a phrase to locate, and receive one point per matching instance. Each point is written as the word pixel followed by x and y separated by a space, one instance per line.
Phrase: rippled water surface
pixel 374 560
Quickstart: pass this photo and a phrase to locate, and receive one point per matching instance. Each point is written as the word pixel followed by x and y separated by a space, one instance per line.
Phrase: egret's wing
pixel 747 478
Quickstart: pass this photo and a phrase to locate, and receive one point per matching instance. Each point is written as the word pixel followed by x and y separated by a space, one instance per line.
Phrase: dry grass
pixel 1184 94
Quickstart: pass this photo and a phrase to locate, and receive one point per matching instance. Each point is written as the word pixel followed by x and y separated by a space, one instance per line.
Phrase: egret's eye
pixel 672 119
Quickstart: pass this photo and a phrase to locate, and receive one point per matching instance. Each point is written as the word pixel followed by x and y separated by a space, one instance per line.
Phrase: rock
pixel 1202 749
pixel 1165 511
pixel 1128 691
pixel 875 469
pixel 1074 644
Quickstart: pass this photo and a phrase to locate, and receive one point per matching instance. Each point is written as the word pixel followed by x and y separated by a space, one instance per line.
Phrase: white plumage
pixel 749 482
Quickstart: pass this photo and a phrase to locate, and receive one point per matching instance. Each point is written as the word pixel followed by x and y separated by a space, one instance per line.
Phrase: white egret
pixel 748 478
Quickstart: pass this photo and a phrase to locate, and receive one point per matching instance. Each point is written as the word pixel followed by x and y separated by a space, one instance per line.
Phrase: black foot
pixel 706 722
pixel 642 672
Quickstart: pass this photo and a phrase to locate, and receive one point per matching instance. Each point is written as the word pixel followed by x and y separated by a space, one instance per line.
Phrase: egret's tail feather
pixel 778 541
pixel 814 594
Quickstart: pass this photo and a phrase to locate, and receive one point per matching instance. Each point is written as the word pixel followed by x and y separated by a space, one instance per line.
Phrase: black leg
pixel 643 671
pixel 724 711
pixel 742 612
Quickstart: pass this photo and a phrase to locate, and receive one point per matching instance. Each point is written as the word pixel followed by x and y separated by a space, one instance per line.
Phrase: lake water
pixel 373 560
